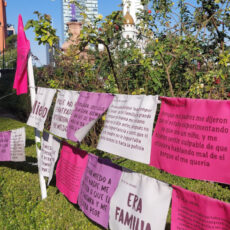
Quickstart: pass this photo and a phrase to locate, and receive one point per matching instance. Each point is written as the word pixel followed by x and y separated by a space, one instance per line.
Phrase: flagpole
pixel 37 132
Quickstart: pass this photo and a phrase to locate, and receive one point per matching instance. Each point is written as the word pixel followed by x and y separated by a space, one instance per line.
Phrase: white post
pixel 37 133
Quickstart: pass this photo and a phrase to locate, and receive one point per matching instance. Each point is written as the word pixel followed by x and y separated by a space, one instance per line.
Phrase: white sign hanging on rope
pixel 17 144
pixel 41 106
pixel 49 154
pixel 139 202
pixel 128 127
pixel 65 103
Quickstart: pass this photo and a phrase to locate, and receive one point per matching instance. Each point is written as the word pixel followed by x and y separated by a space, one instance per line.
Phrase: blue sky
pixel 51 7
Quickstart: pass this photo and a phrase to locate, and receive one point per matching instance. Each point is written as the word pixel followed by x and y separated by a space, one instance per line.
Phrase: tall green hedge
pixel 17 105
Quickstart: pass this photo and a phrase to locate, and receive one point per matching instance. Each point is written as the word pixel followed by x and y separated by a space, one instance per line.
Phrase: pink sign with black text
pixel 88 108
pixel 5 154
pixel 98 184
pixel 194 211
pixel 69 172
pixel 191 139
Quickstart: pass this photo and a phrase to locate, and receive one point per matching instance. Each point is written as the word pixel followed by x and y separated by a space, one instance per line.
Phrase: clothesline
pixel 7 95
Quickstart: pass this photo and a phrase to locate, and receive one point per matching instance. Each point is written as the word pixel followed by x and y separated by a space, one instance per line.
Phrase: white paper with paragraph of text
pixel 127 131
pixel 17 144
pixel 65 104
pixel 49 154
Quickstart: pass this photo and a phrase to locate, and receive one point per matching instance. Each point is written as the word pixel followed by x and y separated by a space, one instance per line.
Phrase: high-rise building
pixel 71 13
pixel 3 25
pixel 51 52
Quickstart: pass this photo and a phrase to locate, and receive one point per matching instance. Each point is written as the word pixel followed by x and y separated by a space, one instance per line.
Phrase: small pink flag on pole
pixel 23 48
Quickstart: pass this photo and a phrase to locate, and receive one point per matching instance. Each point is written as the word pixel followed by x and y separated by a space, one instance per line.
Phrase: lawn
pixel 20 199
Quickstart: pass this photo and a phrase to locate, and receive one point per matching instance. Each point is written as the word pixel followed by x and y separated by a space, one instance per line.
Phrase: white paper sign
pixel 128 127
pixel 17 144
pixel 65 103
pixel 49 154
pixel 140 202
pixel 43 100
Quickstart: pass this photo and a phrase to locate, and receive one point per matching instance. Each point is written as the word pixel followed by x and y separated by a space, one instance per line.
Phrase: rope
pixel 6 96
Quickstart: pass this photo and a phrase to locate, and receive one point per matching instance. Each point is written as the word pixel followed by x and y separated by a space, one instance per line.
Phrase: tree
pixel 187 55
pixel 11 42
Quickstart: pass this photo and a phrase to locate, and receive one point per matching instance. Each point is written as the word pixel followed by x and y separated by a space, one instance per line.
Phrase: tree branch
pixel 111 64
pixel 167 68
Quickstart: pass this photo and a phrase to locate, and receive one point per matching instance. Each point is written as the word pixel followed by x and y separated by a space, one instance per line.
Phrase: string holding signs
pixel 5 146
pixel 97 187
pixel 140 202
pixel 88 108
pixel 191 139
pixel 128 127
pixel 63 109
pixel 17 144
pixel 43 100
pixel 194 211
pixel 49 154
pixel 69 171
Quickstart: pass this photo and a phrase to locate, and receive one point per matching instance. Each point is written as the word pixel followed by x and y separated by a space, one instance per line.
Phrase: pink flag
pixel 70 169
pixel 191 139
pixel 194 211
pixel 88 108
pixel 98 185
pixel 23 48
pixel 5 153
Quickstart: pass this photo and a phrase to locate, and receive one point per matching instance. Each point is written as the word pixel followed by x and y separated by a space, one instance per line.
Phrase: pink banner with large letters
pixel 194 211
pixel 191 139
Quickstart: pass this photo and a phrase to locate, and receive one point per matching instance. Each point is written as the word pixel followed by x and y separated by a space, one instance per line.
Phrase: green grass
pixel 21 206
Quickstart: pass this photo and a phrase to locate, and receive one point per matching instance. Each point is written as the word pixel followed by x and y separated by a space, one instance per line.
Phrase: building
pixel 74 28
pixel 130 10
pixel 10 30
pixel 133 7
pixel 72 13
pixel 3 25
pixel 50 53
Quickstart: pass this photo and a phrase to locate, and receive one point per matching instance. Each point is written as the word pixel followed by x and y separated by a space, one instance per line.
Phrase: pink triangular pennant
pixel 23 48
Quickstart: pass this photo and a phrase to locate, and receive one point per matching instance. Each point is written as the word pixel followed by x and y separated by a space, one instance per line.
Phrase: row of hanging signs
pixel 190 139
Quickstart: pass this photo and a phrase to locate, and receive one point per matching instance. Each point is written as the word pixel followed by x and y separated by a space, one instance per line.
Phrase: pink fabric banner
pixel 98 185
pixel 69 172
pixel 191 139
pixel 23 48
pixel 89 107
pixel 194 211
pixel 5 154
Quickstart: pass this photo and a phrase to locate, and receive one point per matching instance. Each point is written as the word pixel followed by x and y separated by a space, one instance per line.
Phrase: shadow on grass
pixel 30 142
pixel 168 226
pixel 76 206
pixel 27 166
pixel 53 182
